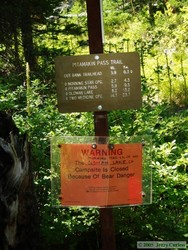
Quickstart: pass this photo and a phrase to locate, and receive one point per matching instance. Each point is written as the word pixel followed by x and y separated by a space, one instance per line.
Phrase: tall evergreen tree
pixel 16 28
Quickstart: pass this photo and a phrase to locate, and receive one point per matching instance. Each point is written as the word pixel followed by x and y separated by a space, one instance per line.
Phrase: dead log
pixel 18 206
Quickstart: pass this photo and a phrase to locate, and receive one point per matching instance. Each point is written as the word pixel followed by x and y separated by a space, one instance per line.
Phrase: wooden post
pixel 94 26
pixel 100 117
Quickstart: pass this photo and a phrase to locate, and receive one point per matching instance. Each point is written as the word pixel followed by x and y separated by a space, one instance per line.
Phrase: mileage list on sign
pixel 98 82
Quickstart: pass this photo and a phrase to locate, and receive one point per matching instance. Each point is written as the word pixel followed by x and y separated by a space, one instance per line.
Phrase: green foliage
pixel 31 98
pixel 166 218
pixel 166 53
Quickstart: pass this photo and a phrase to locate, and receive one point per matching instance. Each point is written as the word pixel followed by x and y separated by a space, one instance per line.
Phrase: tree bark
pixel 27 35
pixel 151 13
pixel 18 206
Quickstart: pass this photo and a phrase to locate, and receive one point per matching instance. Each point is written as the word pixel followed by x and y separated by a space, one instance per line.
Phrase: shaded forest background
pixel 32 34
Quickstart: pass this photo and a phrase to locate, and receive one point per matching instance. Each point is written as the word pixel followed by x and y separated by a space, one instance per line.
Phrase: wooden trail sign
pixel 98 82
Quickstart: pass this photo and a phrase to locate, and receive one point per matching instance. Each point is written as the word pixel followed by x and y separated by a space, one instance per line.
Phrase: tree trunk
pixel 18 207
pixel 151 13
pixel 27 35
pixel 16 48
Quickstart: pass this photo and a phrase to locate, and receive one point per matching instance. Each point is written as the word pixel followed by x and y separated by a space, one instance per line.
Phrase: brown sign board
pixel 98 82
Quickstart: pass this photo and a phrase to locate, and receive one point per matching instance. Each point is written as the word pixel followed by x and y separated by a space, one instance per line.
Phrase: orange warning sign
pixel 101 175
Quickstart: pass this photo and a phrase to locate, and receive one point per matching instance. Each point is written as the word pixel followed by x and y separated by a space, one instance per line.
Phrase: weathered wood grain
pixel 18 207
